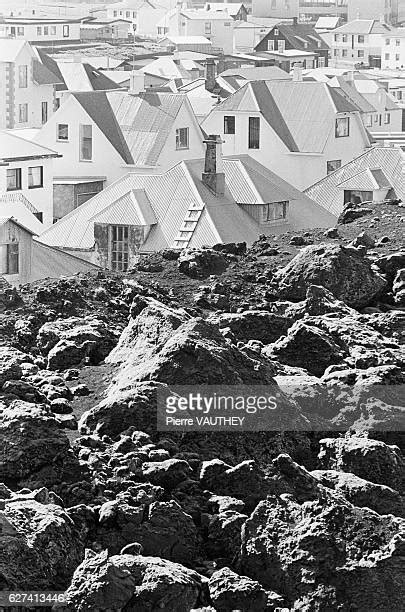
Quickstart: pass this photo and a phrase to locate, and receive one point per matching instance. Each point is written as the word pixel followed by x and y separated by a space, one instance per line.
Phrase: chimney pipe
pixel 210 82
pixel 136 82
pixel 297 72
pixel 213 176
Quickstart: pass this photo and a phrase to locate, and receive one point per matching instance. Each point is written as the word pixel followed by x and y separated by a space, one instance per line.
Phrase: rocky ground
pixel 96 502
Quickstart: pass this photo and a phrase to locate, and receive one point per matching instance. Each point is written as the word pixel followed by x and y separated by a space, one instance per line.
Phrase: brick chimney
pixel 210 75
pixel 213 176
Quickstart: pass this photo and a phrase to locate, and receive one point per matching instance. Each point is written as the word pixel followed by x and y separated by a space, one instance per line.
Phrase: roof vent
pixel 213 176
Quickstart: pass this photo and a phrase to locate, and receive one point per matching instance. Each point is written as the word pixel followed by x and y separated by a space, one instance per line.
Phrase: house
pixel 200 44
pixel 298 129
pixel 358 42
pixel 26 173
pixel 326 24
pixel 236 10
pixel 296 37
pixel 73 74
pixel 375 175
pixel 128 10
pixel 41 30
pixel 106 29
pixel 216 26
pixel 27 92
pixel 103 135
pixel 148 17
pixel 25 260
pixel 393 52
pixel 246 35
pixel 388 114
pixel 196 202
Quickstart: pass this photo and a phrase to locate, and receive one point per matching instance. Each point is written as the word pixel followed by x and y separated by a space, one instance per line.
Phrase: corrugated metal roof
pixel 17 209
pixel 133 208
pixel 43 76
pixel 12 146
pixel 351 93
pixel 363 26
pixel 366 180
pixel 390 160
pixel 49 262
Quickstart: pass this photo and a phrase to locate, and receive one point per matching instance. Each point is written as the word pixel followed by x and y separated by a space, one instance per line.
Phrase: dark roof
pixel 98 80
pixel 351 93
pixel 51 65
pixel 300 36
pixel 272 114
pixel 43 76
pixel 98 107
pixel 342 104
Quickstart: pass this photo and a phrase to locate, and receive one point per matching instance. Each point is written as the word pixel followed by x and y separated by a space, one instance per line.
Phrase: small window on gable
pixel 276 211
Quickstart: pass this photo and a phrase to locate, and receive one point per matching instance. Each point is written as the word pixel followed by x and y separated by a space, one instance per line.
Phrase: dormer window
pixel 276 32
pixel 276 211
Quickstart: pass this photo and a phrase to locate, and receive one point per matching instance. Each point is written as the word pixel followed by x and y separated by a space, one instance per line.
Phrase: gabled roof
pixel 170 196
pixel 390 160
pixel 327 23
pixel 136 125
pixel 255 73
pixel 4 220
pixel 14 147
pixel 301 36
pixel 299 112
pixel 15 205
pixel 363 26
pixel 350 93
pixel 187 40
pixel 232 8
pixel 43 76
pixel 366 180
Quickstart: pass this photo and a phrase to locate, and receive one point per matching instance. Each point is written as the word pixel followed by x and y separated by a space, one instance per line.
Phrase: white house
pixel 128 10
pixel 301 130
pixel 41 29
pixel 205 202
pixel 217 26
pixel 357 42
pixel 26 174
pixel 27 91
pixel 393 53
pixel 103 135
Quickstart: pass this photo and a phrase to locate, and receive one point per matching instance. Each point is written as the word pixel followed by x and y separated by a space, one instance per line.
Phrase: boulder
pixel 167 474
pixel 318 301
pixel 10 364
pixel 132 582
pixel 39 546
pixel 201 263
pixel 363 493
pixel 31 441
pixel 390 264
pixel 164 529
pixel 398 287
pixel 347 276
pixel 229 591
pixel 369 459
pixel 254 325
pixel 325 554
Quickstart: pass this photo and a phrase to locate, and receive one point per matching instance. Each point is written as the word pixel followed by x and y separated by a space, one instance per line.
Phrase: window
pixel 23 76
pixel 369 121
pixel 46 31
pixel 387 41
pixel 128 14
pixel 254 133
pixel 115 13
pixel 281 46
pixel 270 45
pixel 12 258
pixel 387 56
pixel 387 118
pixel 13 179
pixel 332 165
pixel 342 127
pixel 39 31
pixel 57 103
pixel 344 52
pixel 398 42
pixel 23 113
pixel 119 245
pixel 397 57
pixel 62 132
pixel 65 31
pixel 229 124
pixel 44 112
pixel 275 211
pixel 360 39
pixel 360 53
pixel 53 30
pixel 35 177
pixel 20 31
pixel 207 27
pixel 344 38
pixel 335 52
pixel 182 138
pixel 276 32
pixel 336 37
pixel 86 143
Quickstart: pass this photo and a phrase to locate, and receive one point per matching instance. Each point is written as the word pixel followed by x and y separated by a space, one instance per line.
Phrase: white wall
pixel 393 55
pixel 147 20
pixel 40 197
pixel 301 170
pixel 30 32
